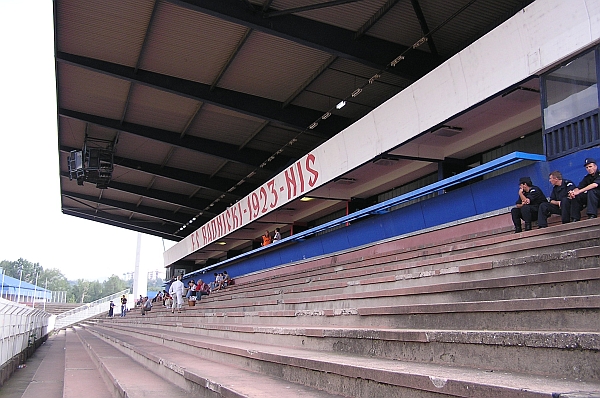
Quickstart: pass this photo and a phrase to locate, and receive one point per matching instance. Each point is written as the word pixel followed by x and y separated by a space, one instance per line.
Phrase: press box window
pixel 571 91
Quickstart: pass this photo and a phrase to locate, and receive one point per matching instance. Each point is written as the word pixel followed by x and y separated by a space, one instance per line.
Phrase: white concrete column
pixel 140 276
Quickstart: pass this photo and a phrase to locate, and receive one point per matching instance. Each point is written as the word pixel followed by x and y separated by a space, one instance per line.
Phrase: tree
pixel 95 292
pixel 54 280
pixel 114 284
pixel 79 291
pixel 84 291
pixel 29 270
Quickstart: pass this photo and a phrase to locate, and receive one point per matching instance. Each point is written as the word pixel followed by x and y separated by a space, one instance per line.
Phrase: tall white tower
pixel 140 277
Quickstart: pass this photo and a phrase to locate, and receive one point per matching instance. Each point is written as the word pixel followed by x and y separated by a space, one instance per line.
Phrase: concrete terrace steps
pixel 124 376
pixel 503 291
pixel 352 375
pixel 543 339
pixel 485 252
pixel 198 375
pixel 553 287
pixel 423 244
pixel 531 352
pixel 567 313
pixel 58 308
pixel 81 376
pixel 47 380
pixel 488 280
pixel 396 273
pixel 483 314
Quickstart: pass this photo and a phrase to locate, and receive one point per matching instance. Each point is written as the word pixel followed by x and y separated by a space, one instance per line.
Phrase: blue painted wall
pixel 475 199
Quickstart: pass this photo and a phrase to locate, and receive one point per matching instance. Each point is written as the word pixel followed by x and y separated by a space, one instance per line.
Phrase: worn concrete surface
pixel 43 374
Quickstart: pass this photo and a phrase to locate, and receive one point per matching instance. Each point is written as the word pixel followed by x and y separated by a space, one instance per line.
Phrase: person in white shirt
pixel 277 235
pixel 146 305
pixel 219 281
pixel 176 291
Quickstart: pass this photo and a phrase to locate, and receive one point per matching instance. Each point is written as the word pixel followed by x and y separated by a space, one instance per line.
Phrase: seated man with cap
pixel 527 206
pixel 587 192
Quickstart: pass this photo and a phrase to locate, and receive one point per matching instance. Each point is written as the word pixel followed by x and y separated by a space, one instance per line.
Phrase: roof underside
pixel 200 95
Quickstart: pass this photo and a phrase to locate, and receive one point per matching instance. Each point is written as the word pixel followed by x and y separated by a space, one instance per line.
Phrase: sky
pixel 32 226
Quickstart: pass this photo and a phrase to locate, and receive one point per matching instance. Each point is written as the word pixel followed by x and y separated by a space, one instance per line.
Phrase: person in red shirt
pixel 202 289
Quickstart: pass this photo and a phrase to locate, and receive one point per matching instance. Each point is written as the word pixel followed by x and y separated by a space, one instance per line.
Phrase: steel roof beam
pixel 220 185
pixel 230 152
pixel 374 18
pixel 156 229
pixel 232 56
pixel 160 214
pixel 293 116
pixel 370 51
pixel 311 7
pixel 175 199
pixel 424 27
pixel 139 57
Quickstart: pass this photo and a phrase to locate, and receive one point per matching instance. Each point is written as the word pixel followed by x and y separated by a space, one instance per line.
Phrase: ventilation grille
pixel 446 131
pixel 345 181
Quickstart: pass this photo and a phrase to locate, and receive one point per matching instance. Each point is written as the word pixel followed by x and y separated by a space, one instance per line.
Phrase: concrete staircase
pixel 468 311
pixel 59 308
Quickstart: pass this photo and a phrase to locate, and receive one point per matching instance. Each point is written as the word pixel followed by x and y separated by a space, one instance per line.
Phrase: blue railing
pixel 388 205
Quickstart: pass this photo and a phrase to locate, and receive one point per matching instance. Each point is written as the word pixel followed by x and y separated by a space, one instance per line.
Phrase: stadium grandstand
pixel 385 140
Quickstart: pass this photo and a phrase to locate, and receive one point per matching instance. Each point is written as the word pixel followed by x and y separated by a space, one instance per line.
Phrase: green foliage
pixel 85 291
pixel 53 279
pixel 22 269
pixel 114 284
pixel 81 291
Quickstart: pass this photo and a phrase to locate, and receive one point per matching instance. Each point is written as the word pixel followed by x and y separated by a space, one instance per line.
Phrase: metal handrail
pixel 86 311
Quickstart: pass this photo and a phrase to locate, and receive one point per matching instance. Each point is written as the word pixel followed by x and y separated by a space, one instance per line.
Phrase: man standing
pixel 176 291
pixel 123 306
pixel 559 200
pixel 111 309
pixel 587 192
pixel 527 206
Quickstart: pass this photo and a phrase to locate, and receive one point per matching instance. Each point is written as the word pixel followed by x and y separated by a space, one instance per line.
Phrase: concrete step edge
pixel 131 380
pixel 82 377
pixel 536 339
pixel 207 376
pixel 339 272
pixel 428 287
pixel 463 382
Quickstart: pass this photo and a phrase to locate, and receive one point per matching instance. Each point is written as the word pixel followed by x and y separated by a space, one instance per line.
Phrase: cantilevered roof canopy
pixel 203 101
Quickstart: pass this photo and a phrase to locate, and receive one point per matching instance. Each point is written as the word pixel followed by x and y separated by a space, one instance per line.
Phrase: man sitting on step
pixel 202 289
pixel 527 206
pixel 587 192
pixel 146 305
pixel 559 200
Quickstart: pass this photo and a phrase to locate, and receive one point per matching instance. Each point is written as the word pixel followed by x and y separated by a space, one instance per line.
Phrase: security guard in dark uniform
pixel 559 200
pixel 587 192
pixel 527 206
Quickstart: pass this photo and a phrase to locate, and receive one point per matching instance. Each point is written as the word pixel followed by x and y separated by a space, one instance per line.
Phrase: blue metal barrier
pixel 340 241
